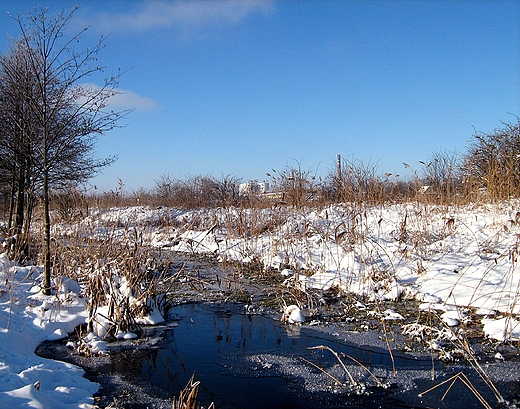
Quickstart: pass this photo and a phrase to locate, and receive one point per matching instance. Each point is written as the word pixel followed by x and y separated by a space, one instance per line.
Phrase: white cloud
pixel 123 99
pixel 184 14
pixel 130 100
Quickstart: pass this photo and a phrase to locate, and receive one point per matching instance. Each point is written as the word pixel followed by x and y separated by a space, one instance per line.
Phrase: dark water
pixel 252 361
pixel 256 362
pixel 245 361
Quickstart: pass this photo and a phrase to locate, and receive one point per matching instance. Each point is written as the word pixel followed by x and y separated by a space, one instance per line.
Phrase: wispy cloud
pixel 130 100
pixel 123 99
pixel 184 14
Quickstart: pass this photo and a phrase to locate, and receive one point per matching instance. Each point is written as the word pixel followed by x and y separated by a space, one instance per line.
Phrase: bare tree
pixel 197 191
pixel 66 113
pixel 17 142
pixel 165 190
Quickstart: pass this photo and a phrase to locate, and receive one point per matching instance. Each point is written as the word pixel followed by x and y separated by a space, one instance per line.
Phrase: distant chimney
pixel 339 180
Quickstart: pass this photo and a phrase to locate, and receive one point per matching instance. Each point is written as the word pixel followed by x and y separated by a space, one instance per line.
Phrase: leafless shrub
pixel 492 163
pixel 70 204
pixel 297 187
pixel 353 181
pixel 197 192
pixel 116 271
pixel 441 177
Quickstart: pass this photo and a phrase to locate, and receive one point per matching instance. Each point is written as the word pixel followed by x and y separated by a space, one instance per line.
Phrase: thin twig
pixel 366 369
pixel 322 370
pixel 338 358
pixel 394 370
pixel 465 380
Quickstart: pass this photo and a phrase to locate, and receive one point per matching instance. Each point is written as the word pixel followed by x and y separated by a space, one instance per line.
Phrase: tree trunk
pixel 47 236
pixel 20 201
pixel 12 192
pixel 29 199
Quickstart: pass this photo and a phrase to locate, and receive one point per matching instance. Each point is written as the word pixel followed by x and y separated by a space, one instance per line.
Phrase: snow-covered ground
pixel 450 258
pixel 26 320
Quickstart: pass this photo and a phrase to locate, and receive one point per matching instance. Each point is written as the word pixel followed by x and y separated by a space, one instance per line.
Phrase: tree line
pixel 489 170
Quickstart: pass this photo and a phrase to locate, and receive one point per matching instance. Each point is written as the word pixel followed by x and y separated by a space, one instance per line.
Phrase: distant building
pixel 253 187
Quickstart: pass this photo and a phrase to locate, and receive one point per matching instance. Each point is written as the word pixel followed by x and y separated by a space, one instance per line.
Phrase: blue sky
pixel 242 87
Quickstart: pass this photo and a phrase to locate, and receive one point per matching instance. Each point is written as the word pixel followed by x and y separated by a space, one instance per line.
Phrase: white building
pixel 253 187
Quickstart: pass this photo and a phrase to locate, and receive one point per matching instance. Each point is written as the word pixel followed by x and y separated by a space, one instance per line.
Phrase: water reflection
pixel 241 360
pixel 246 361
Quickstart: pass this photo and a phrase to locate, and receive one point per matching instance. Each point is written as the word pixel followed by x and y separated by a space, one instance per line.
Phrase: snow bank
pixel 26 320
pixel 502 329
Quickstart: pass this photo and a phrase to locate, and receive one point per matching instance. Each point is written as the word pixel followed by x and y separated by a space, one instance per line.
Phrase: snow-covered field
pixel 450 259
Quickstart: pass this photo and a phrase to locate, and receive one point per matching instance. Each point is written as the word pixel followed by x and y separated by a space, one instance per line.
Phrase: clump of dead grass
pixel 119 274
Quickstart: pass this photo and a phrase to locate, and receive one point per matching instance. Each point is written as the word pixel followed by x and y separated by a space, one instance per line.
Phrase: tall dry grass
pixel 115 268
